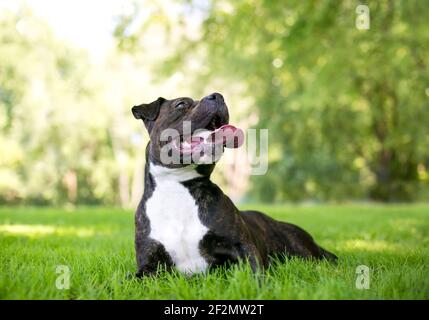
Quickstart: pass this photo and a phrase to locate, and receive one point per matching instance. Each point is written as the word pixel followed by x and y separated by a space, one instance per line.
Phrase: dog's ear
pixel 148 112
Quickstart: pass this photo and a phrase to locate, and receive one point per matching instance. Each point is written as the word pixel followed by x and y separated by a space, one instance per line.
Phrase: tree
pixel 52 140
pixel 347 109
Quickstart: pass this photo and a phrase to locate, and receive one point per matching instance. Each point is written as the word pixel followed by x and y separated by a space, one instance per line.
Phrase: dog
pixel 184 220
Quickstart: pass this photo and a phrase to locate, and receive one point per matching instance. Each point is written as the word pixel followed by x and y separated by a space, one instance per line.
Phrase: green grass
pixel 97 245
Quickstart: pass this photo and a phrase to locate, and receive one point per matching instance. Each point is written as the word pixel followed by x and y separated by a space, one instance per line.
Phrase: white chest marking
pixel 173 216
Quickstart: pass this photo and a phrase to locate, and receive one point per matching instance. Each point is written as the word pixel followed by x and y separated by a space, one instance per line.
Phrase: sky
pixel 85 23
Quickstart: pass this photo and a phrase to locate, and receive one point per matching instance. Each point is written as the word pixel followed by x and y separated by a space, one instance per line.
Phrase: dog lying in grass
pixel 184 220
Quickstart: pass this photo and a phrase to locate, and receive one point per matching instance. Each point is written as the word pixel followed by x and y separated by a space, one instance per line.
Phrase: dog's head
pixel 184 131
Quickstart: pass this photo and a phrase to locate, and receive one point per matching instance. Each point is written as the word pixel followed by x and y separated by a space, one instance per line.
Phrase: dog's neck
pixel 155 173
pixel 162 173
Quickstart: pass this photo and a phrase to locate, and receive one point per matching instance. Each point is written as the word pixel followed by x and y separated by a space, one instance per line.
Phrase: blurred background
pixel 347 109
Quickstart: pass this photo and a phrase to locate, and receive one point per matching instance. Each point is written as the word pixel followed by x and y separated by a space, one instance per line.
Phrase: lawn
pixel 97 245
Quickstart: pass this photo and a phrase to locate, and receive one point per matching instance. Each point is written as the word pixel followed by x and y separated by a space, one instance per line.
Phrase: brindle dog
pixel 184 220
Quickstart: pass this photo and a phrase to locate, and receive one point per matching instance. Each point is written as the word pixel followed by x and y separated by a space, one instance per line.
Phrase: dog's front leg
pixel 150 256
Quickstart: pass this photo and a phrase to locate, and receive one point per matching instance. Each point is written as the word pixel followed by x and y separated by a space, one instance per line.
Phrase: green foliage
pixel 62 137
pixel 347 109
pixel 98 246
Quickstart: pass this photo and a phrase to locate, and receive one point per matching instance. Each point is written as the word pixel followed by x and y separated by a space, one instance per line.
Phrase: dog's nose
pixel 215 96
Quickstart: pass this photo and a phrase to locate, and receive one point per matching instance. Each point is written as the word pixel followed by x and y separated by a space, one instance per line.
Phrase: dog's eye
pixel 181 105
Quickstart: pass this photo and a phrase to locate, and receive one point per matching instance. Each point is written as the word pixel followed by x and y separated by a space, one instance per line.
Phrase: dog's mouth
pixel 215 123
pixel 216 134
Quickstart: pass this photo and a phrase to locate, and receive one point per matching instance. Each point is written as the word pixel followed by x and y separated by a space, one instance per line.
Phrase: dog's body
pixel 185 221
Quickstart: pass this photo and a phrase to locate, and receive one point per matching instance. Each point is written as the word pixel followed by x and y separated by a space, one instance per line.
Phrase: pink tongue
pixel 195 141
pixel 229 136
